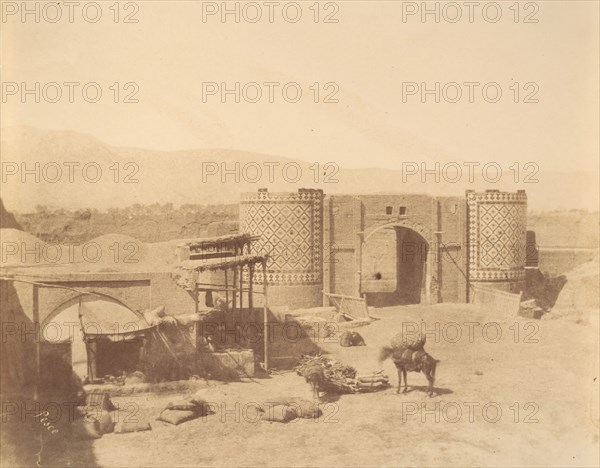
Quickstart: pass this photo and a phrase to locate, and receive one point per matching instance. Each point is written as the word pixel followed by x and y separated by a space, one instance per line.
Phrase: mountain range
pixel 65 169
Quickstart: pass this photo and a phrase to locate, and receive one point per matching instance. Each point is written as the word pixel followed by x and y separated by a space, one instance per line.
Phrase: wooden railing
pixel 353 307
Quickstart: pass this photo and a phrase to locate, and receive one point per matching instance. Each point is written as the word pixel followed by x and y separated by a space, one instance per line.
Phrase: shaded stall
pixel 226 293
pixel 97 336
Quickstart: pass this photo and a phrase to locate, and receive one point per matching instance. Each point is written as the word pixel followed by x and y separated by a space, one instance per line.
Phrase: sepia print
pixel 299 233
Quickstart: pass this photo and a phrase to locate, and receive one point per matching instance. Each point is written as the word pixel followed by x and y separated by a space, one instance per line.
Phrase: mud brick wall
pixel 136 291
pixel 502 302
pixel 396 248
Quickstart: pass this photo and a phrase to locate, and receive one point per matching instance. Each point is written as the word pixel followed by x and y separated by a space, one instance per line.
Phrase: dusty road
pixel 526 398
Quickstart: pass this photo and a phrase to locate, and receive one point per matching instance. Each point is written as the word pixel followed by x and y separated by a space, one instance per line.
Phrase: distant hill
pixel 572 228
pixel 131 176
pixel 152 223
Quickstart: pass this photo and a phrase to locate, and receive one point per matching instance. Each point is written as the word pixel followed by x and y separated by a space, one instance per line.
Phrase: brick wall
pixel 407 248
pixel 137 291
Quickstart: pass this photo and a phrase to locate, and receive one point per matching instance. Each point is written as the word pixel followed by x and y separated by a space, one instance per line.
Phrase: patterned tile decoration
pixel 497 235
pixel 290 226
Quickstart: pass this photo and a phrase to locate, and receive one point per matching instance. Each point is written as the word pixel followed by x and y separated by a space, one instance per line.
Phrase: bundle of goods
pixel 351 338
pixel 339 378
pixel 372 382
pixel 414 341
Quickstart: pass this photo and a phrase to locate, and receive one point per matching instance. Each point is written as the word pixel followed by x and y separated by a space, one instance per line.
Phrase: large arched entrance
pixel 394 266
pixel 92 336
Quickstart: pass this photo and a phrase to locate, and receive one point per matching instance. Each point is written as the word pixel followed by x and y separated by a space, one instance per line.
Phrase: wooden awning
pixel 226 263
pixel 220 241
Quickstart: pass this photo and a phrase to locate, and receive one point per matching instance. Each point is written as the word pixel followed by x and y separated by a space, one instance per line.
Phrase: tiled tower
pixel 497 229
pixel 290 226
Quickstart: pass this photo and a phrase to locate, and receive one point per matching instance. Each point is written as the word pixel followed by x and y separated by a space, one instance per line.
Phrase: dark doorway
pixel 411 261
pixel 115 357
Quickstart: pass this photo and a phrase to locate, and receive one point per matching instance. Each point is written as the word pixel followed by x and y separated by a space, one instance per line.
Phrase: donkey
pixel 410 360
pixel 315 377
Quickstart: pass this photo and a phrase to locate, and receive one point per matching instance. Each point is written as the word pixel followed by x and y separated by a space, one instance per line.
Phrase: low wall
pixel 495 299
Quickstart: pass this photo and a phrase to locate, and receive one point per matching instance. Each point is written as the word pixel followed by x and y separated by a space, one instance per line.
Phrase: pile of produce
pixel 340 378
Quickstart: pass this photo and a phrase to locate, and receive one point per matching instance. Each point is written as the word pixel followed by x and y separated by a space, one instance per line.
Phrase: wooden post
pixel 241 286
pixel 265 315
pixel 92 353
pixel 38 337
pixel 198 339
pixel 235 271
pixel 250 286
pixel 226 291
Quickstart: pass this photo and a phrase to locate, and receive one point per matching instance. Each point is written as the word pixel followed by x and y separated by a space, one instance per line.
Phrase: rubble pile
pixel 540 294
pixel 530 309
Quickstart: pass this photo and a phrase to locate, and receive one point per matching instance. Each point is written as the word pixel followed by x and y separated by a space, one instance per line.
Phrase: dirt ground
pixel 529 398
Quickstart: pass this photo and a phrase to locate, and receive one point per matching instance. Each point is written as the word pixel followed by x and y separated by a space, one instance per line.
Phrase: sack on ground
pixel 357 340
pixel 176 417
pixel 306 409
pixel 280 413
pixel 182 405
pixel 124 427
pixel 351 338
pixel 346 339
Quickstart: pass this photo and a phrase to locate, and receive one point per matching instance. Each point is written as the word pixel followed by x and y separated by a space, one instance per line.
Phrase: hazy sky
pixel 369 53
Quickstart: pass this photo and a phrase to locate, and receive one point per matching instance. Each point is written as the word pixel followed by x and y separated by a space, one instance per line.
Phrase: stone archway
pixel 97 315
pixel 395 266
